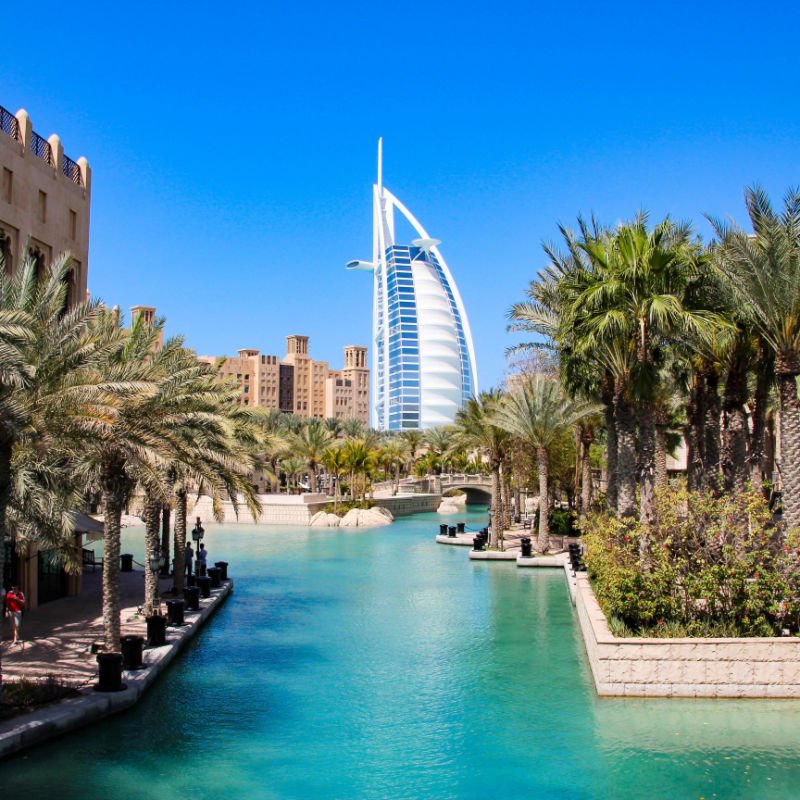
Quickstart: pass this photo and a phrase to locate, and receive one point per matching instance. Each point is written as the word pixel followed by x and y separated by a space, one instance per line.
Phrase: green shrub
pixel 709 566
pixel 562 522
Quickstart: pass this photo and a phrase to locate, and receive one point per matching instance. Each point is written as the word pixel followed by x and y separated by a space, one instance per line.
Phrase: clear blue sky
pixel 233 144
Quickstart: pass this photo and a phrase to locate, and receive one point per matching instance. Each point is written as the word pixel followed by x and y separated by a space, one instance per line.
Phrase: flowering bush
pixel 709 566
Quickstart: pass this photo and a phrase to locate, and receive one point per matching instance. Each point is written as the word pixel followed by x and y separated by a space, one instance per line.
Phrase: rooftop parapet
pixel 19 128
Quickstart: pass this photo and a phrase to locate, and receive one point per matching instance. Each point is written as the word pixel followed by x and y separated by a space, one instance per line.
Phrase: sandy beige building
pixel 45 199
pixel 298 384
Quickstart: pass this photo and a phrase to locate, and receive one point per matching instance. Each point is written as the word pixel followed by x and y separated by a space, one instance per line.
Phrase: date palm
pixel 309 443
pixel 47 402
pixel 538 413
pixel 477 430
pixel 167 408
pixel 764 271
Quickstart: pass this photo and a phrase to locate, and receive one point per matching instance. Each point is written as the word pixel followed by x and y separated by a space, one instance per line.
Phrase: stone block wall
pixel 642 667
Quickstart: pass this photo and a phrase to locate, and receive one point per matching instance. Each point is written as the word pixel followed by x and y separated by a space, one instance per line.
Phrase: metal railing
pixel 40 147
pixel 72 171
pixel 9 124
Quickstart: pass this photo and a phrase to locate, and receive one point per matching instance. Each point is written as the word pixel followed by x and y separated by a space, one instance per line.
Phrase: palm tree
pixel 476 429
pixel 764 271
pixel 309 443
pixel 538 413
pixel 292 467
pixel 46 401
pixel 333 460
pixel 639 295
pixel 168 408
pixel 359 461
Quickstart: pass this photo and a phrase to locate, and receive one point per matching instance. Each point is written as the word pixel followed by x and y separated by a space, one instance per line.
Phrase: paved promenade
pixel 57 637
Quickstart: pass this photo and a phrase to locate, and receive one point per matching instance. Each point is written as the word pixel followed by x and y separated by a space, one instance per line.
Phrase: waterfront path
pixel 58 636
pixel 62 637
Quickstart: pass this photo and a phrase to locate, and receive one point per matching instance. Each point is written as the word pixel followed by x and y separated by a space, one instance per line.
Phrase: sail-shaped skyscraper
pixel 424 359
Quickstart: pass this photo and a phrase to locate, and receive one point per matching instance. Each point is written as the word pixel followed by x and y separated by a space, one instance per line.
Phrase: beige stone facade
pixel 45 199
pixel 298 384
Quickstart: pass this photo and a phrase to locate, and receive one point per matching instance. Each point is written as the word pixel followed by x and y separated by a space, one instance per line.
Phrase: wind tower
pixel 424 359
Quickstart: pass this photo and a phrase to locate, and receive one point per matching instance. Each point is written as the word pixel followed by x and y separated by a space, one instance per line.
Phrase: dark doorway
pixel 52 578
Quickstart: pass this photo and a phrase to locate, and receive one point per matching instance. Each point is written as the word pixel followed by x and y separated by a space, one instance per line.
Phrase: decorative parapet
pixel 645 667
pixel 19 128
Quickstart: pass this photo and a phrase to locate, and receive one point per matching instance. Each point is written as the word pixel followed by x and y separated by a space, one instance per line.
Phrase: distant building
pixel 424 368
pixel 300 385
pixel 45 199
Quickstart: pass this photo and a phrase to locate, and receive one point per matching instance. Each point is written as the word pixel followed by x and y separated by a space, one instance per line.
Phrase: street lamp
pixel 157 561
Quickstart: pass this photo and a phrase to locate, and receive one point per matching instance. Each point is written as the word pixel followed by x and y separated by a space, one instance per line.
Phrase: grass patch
pixel 24 696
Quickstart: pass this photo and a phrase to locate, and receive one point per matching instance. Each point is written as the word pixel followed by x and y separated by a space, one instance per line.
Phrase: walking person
pixel 15 605
pixel 202 556
pixel 188 557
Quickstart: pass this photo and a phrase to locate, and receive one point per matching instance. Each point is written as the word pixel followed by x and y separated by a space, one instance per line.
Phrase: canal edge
pixel 91 706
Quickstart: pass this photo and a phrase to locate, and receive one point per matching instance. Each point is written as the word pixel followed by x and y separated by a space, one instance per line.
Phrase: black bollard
pixel 478 543
pixel 216 577
pixel 204 583
pixel 223 569
pixel 443 529
pixel 460 527
pixel 175 612
pixel 191 598
pixel 110 673
pixel 156 631
pixel 191 580
pixel 451 531
pixel 126 562
pixel 132 652
pixel 525 541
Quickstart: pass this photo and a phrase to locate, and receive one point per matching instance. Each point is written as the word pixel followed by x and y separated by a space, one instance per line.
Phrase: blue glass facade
pixel 402 351
pixel 398 344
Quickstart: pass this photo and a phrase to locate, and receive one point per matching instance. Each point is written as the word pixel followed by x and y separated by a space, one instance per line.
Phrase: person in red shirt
pixel 15 604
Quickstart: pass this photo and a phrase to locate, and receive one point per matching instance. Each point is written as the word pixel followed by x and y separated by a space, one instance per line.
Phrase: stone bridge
pixel 478 488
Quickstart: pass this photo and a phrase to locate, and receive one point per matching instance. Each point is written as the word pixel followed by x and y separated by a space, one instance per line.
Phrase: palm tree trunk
pixel 5 493
pixel 626 454
pixel 495 505
pixel 165 537
pixel 711 423
pixel 506 491
pixel 180 539
pixel 695 434
pixel 662 479
pixel 587 437
pixel 735 467
pixel 312 477
pixel 790 449
pixel 611 445
pixel 113 506
pixel 543 541
pixel 151 544
pixel 647 463
pixel 757 455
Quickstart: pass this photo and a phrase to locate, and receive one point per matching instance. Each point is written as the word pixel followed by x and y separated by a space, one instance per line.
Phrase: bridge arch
pixel 476 495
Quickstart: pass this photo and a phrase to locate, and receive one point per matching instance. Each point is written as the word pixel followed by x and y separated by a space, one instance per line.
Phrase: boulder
pixel 385 511
pixel 322 519
pixel 446 507
pixel 365 518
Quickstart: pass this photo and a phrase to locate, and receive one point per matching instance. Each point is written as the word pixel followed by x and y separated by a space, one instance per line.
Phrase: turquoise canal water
pixel 380 665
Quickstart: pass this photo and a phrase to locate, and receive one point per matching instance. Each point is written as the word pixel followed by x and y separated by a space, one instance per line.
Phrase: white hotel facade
pixel 424 360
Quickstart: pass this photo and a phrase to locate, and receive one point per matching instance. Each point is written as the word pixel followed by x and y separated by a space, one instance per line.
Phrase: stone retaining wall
pixel 764 667
pixel 403 505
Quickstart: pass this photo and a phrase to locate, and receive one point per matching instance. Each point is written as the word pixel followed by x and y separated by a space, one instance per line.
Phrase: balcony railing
pixel 72 171
pixel 9 124
pixel 40 147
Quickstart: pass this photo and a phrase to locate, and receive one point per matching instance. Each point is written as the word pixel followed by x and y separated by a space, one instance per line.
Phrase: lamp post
pixel 197 537
pixel 157 560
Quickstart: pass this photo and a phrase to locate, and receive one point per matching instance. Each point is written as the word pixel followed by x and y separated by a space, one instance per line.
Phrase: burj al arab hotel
pixel 424 359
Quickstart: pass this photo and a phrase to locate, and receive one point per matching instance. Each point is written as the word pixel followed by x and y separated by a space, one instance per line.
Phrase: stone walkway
pixel 58 636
